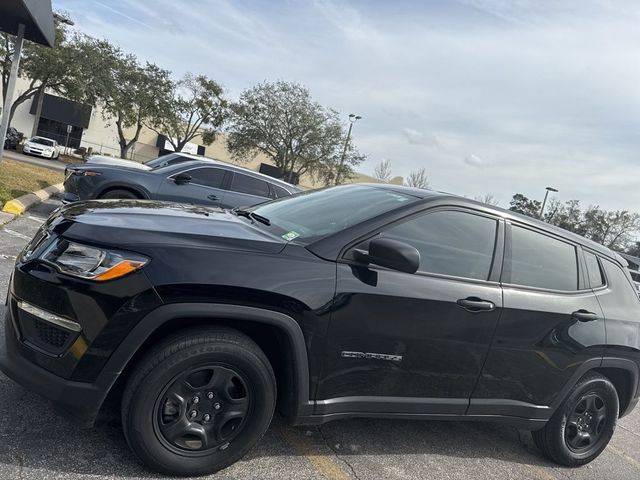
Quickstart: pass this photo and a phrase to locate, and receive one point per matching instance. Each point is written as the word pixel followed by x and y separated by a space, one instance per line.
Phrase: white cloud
pixel 536 92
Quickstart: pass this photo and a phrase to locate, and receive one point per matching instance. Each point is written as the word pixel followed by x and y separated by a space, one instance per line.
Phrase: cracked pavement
pixel 35 443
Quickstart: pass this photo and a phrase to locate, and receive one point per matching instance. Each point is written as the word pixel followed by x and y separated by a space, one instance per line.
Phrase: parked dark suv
pixel 171 178
pixel 353 301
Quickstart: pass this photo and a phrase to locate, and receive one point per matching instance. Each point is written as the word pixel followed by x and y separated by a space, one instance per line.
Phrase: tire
pixel 119 193
pixel 151 417
pixel 562 439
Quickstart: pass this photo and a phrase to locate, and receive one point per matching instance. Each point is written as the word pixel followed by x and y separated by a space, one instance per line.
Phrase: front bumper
pixel 78 400
pixel 38 153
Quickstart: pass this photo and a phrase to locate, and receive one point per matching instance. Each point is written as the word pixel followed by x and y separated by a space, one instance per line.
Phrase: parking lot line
pixel 13 233
pixel 321 462
pixel 624 456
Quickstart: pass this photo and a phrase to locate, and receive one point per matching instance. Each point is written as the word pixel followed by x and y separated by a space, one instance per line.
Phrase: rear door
pixel 415 343
pixel 246 190
pixel 551 326
pixel 206 187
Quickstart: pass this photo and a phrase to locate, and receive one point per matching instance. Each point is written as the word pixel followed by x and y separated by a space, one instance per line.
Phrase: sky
pixel 490 96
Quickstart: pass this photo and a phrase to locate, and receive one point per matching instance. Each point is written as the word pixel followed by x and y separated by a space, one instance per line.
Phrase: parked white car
pixel 42 147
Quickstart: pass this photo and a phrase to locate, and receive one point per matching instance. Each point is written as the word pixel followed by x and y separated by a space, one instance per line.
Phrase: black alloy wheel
pixel 583 424
pixel 586 423
pixel 198 401
pixel 202 409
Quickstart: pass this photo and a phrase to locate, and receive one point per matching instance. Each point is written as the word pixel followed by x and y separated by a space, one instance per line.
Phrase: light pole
pixel 544 202
pixel 353 118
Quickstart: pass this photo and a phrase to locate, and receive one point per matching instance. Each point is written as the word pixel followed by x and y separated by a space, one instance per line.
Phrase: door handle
pixel 585 316
pixel 475 304
pixel 212 197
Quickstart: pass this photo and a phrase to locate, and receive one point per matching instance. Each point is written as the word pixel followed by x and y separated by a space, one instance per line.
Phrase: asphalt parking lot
pixel 35 443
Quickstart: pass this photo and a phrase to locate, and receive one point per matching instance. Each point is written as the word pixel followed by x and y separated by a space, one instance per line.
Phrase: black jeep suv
pixel 353 301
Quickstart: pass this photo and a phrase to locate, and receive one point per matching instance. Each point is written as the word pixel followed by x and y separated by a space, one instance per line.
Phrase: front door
pixel 204 188
pixel 416 343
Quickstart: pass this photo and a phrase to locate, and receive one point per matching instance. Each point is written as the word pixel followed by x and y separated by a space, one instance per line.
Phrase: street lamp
pixel 353 118
pixel 544 202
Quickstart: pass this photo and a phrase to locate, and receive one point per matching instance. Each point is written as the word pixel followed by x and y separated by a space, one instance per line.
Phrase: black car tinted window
pixel 450 242
pixel 249 185
pixel 209 177
pixel 279 192
pixel 596 278
pixel 541 261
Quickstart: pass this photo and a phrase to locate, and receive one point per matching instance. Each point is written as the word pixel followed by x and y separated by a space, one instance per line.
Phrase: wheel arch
pixel 622 372
pixel 624 375
pixel 136 191
pixel 276 333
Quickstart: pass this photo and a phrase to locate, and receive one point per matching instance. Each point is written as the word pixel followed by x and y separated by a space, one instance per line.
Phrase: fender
pixel 141 332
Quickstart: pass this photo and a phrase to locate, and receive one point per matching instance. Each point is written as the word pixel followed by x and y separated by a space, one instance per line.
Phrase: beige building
pixel 77 126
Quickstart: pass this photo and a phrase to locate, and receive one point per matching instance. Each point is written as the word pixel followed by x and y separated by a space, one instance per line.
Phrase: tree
pixel 383 171
pixel 129 93
pixel 45 68
pixel 196 108
pixel 613 229
pixel 634 249
pixel 281 121
pixel 487 198
pixel 418 179
pixel 521 204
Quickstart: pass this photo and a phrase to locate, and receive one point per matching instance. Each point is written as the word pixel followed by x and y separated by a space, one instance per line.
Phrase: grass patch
pixel 18 178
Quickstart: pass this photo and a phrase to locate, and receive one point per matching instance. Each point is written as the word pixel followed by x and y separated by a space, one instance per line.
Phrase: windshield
pixel 312 215
pixel 42 141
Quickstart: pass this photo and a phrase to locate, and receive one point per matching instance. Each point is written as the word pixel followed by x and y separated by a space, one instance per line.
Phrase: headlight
pixel 91 263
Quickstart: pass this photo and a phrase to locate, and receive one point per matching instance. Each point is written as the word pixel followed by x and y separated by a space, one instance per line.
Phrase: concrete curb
pixel 19 205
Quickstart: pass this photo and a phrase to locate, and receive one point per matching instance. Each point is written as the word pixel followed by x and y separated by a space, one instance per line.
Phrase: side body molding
pixel 287 325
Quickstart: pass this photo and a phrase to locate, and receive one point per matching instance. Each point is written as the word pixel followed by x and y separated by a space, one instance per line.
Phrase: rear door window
pixel 251 186
pixel 541 261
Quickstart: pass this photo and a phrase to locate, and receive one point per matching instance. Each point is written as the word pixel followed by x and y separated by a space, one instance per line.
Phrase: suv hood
pixel 131 223
pixel 116 162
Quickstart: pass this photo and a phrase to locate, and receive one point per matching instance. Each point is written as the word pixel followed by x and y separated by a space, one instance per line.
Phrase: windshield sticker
pixel 290 235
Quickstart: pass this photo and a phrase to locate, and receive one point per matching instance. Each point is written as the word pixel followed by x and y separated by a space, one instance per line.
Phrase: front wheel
pixel 583 425
pixel 119 194
pixel 198 402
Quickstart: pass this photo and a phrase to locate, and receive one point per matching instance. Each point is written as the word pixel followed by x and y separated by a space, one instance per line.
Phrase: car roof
pixel 507 214
pixel 206 162
pixel 44 138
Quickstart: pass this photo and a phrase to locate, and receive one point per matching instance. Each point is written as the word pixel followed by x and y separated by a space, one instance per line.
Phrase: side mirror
pixel 182 179
pixel 392 254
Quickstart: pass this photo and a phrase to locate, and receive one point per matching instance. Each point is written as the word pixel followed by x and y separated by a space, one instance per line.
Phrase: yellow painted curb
pixel 41 194
pixel 14 207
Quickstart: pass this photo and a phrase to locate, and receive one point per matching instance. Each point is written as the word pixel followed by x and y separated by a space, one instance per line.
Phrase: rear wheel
pixel 119 193
pixel 198 402
pixel 583 425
